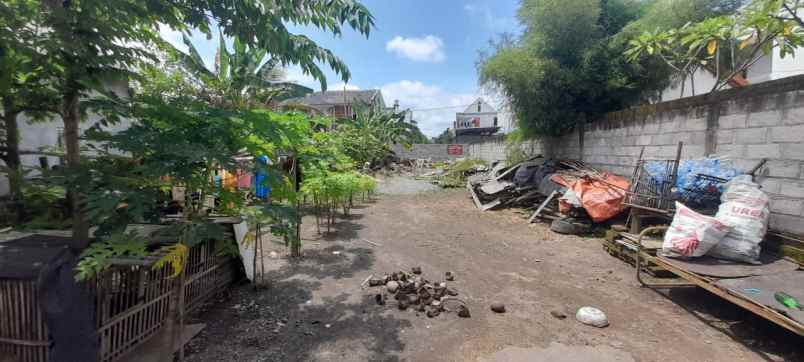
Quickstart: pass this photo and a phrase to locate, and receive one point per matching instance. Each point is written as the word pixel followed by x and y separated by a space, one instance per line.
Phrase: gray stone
pixel 498 307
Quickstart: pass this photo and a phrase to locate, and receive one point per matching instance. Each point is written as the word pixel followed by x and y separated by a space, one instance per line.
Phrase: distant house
pixel 339 104
pixel 479 119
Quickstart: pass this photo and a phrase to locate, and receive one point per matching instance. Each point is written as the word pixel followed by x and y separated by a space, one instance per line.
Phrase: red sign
pixel 455 150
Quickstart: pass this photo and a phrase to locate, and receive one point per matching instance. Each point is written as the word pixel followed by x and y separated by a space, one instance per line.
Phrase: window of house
pixel 495 121
pixel 478 107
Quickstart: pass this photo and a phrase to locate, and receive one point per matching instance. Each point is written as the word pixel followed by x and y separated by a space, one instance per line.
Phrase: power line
pixel 439 108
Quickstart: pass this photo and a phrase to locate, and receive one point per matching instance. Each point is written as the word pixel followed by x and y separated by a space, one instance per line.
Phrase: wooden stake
pixel 542 206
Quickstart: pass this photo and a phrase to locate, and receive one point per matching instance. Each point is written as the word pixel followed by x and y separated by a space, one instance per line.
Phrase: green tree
pixel 564 69
pixel 444 137
pixel 24 87
pixel 368 137
pixel 89 41
pixel 242 78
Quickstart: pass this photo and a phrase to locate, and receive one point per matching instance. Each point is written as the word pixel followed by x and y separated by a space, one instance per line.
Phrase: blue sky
pixel 422 53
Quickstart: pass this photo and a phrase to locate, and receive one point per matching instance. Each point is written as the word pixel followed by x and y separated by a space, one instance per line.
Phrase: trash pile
pixel 411 290
pixel 565 191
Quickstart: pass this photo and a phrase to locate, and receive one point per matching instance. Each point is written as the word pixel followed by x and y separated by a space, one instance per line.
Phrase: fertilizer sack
pixel 692 234
pixel 744 208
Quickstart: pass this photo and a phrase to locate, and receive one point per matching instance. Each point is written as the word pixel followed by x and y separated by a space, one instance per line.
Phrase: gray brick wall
pixel 434 152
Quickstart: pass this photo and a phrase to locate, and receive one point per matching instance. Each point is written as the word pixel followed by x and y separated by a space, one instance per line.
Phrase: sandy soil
pixel 314 309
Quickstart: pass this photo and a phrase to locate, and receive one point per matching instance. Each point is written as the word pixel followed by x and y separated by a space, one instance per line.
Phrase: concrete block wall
pixel 488 148
pixel 772 127
pixel 495 148
pixel 434 152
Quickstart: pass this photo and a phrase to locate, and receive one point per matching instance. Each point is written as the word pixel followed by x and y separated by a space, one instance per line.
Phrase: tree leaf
pixel 711 47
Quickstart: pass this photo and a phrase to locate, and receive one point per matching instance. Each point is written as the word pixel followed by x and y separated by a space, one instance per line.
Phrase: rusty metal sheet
pixel 761 289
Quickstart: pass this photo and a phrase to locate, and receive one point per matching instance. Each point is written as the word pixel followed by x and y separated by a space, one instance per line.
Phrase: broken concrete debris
pixel 411 290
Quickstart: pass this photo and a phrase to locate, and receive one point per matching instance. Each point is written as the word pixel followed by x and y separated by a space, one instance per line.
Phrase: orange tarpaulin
pixel 602 197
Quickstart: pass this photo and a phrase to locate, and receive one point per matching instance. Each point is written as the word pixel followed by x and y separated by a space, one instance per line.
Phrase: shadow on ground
pixel 302 315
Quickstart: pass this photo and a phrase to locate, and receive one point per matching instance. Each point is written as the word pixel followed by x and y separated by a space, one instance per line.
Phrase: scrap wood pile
pixel 411 290
pixel 564 190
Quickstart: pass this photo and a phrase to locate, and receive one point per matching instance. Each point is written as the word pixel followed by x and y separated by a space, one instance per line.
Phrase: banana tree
pixel 368 137
pixel 240 78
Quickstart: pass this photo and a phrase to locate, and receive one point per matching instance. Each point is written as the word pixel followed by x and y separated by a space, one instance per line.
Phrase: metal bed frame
pixel 707 283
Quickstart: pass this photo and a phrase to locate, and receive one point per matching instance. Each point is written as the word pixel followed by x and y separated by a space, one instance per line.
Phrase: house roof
pixel 484 107
pixel 337 97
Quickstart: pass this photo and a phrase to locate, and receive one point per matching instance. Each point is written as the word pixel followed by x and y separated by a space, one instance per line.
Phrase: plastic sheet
pixel 744 207
pixel 689 169
pixel 692 234
pixel 601 198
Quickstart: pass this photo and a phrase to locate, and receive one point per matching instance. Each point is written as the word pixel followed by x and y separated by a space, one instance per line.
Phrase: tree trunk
pixel 72 118
pixel 12 160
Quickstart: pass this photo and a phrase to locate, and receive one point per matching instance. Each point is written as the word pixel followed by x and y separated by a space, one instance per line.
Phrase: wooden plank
pixel 471 189
pixel 542 206
pixel 491 205
pixel 508 171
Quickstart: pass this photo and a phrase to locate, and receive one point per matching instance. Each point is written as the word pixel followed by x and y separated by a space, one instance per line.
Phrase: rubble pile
pixel 569 193
pixel 412 291
pixel 526 184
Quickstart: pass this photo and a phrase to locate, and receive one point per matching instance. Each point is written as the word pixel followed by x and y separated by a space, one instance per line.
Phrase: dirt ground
pixel 314 309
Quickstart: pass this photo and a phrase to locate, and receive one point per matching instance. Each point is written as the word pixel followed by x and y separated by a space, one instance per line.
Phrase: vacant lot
pixel 315 309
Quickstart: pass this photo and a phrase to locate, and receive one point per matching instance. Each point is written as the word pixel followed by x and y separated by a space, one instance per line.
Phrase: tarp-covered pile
pixel 556 188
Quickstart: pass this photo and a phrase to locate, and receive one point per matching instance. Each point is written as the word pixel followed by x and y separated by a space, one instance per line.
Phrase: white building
pixel 479 118
pixel 768 67
pixel 44 136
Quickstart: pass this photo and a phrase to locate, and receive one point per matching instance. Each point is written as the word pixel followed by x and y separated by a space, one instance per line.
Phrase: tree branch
pixel 793 13
pixel 753 58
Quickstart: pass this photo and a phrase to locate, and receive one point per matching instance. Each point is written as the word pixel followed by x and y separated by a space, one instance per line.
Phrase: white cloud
pixel 295 74
pixel 470 8
pixel 433 108
pixel 427 49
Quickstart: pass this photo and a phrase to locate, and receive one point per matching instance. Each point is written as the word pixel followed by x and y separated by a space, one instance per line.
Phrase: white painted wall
pixel 479 114
pixel 787 66
pixel 703 81
pixel 42 135
pixel 768 67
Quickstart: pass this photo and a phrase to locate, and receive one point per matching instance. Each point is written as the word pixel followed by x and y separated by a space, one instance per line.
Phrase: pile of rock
pixel 411 290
